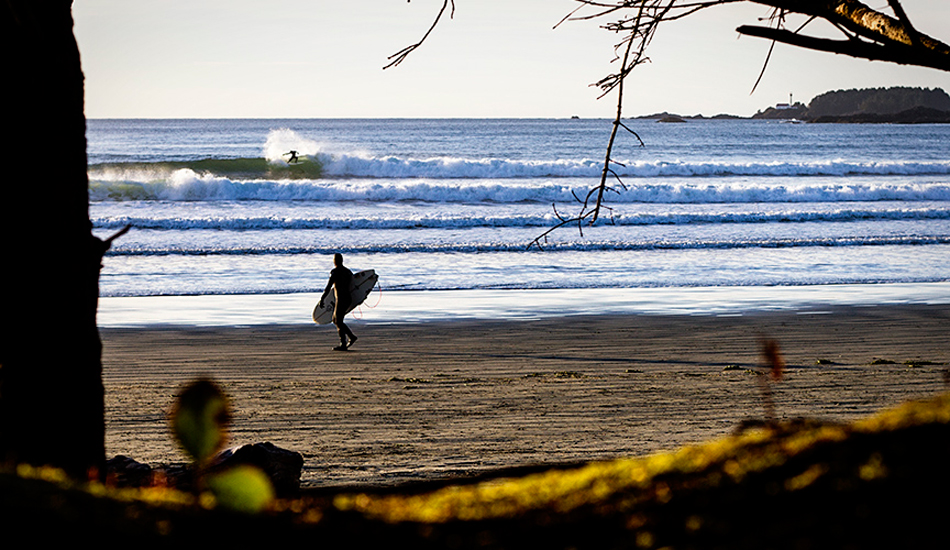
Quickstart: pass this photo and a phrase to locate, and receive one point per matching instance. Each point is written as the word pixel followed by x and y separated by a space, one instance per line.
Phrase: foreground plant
pixel 199 421
pixel 772 354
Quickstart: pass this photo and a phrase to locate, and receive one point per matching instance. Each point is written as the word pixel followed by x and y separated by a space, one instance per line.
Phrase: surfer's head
pixel 338 259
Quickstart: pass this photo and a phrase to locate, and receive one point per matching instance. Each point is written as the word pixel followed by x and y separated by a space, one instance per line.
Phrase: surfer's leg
pixel 344 330
pixel 342 346
pixel 345 333
pixel 341 329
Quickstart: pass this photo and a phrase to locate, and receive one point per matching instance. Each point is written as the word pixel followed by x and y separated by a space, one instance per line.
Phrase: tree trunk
pixel 51 393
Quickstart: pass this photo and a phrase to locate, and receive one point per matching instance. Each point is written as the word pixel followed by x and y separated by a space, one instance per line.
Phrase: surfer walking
pixel 340 280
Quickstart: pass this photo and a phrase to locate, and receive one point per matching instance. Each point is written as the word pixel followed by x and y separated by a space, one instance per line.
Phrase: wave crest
pixel 585 246
pixel 188 185
pixel 523 221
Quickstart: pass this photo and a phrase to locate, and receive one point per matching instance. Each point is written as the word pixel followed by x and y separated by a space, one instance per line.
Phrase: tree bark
pixel 860 19
pixel 51 393
pixel 891 39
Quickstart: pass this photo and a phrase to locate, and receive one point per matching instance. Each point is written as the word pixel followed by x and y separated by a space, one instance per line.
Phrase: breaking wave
pixel 520 247
pixel 188 185
pixel 464 222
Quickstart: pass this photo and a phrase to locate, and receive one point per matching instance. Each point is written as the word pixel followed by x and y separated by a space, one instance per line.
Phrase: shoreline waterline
pixel 419 306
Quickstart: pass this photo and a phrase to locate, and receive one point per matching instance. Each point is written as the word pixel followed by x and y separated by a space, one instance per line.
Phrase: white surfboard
pixel 362 285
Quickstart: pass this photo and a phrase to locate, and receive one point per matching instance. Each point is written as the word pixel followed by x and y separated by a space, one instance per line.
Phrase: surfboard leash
pixel 359 308
pixel 379 296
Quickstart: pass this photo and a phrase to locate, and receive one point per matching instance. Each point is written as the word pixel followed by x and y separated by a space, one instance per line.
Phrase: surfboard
pixel 362 285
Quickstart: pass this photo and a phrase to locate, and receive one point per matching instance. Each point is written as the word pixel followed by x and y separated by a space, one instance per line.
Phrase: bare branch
pixel 401 55
pixel 869 34
pixel 768 56
pixel 765 65
pixel 116 235
pixel 543 236
pixel 851 48
pixel 867 23
pixel 624 70
pixel 636 135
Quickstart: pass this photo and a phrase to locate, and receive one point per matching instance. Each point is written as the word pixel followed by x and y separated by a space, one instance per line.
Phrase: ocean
pixel 710 217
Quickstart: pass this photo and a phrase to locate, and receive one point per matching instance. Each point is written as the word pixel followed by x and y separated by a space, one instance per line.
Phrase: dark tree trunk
pixel 51 393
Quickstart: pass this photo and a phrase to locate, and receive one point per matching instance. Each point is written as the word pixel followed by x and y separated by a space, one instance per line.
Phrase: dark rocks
pixel 123 471
pixel 283 467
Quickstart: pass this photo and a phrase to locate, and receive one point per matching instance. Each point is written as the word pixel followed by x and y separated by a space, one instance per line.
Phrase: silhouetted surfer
pixel 293 157
pixel 340 281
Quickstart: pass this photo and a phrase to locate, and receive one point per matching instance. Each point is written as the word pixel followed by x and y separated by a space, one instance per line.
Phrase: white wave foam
pixel 482 247
pixel 186 185
pixel 349 165
pixel 356 165
pixel 239 223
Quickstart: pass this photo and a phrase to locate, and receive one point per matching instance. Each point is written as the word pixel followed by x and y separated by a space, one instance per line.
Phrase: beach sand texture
pixel 427 401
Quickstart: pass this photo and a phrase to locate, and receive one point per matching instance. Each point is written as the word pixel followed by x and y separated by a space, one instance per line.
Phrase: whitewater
pixel 451 206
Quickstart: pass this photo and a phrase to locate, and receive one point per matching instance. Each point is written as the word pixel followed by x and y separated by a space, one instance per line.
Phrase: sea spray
pixel 284 140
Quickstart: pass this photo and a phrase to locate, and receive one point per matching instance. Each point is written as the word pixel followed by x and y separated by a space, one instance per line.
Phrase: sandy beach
pixel 424 401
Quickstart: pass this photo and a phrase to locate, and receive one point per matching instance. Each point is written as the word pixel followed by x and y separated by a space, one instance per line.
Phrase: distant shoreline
pixel 919 115
pixel 897 105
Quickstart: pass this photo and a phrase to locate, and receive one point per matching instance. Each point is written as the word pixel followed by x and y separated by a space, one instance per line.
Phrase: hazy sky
pixel 496 58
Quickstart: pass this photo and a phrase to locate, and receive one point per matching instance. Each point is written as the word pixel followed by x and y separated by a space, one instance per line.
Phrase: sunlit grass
pixel 561 491
pixel 787 483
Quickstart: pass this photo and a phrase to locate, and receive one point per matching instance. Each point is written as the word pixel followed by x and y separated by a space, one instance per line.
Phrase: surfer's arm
pixel 326 291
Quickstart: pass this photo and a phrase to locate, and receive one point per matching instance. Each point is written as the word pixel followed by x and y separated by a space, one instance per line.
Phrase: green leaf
pixel 200 419
pixel 243 488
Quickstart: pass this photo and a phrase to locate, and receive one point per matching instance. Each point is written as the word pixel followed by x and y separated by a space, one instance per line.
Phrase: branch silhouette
pixel 400 56
pixel 868 34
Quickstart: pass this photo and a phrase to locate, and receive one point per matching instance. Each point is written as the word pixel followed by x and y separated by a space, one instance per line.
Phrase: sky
pixel 495 58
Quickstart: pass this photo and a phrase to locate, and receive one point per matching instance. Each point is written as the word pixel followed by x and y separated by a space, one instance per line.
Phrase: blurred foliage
pixel 242 488
pixel 200 419
pixel 880 482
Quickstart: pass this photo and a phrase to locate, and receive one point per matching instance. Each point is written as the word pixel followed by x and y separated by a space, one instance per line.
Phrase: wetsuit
pixel 340 280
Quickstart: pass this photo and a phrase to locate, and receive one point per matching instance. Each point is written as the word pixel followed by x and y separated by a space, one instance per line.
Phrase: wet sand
pixel 433 400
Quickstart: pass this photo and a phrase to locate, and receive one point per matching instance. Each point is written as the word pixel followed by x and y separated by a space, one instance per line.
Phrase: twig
pixel 401 55
pixel 108 242
pixel 636 135
pixel 768 56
